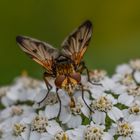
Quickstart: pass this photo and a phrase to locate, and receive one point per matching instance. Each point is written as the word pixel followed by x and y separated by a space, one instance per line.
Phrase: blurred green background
pixel 116 37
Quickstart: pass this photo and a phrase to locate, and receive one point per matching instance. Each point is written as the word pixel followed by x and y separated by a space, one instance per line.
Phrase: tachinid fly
pixel 65 65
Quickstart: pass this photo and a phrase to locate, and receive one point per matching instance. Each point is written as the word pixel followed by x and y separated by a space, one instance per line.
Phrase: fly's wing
pixel 75 45
pixel 41 52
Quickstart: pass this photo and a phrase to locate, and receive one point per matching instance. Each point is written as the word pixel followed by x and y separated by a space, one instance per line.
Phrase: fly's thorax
pixel 64 68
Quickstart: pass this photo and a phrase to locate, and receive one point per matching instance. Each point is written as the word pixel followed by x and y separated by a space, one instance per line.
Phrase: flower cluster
pixel 109 109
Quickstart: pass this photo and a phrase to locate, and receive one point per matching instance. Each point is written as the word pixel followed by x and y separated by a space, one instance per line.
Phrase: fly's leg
pixel 59 103
pixel 48 85
pixel 83 67
pixel 83 98
pixel 89 80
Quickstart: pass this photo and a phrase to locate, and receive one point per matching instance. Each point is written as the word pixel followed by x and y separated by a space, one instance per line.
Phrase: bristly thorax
pixel 64 69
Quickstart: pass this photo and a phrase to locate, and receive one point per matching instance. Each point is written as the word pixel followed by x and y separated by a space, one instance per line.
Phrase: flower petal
pixel 115 114
pixel 125 99
pixel 51 111
pixel 99 117
pixel 65 115
pixel 107 136
pixel 34 135
pixel 74 121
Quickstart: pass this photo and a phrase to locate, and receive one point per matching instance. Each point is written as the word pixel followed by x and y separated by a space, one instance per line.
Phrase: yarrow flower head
pixel 124 129
pixel 106 108
pixel 72 116
pixel 104 105
pixel 94 132
pixel 39 124
pixel 61 136
pixel 23 89
pixel 97 75
pixel 90 132
pixel 135 64
pixel 18 129
pixel 135 109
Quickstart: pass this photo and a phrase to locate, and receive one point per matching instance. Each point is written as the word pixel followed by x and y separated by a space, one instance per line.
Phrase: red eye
pixel 76 76
pixel 59 80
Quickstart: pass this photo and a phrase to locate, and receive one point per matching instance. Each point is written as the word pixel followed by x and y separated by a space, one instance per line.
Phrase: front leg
pixel 83 67
pixel 48 85
pixel 59 103
pixel 82 88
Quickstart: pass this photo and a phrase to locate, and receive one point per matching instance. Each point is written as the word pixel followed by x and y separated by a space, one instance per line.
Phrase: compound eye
pixel 76 76
pixel 59 80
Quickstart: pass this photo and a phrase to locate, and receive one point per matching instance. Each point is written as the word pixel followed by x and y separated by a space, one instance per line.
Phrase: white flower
pixel 112 87
pixel 109 109
pixel 135 64
pixel 90 132
pixel 41 126
pixel 21 131
pixel 52 103
pixel 97 76
pixel 131 94
pixel 3 96
pixel 133 112
pixel 52 106
pixel 71 116
pixel 108 86
pixel 6 101
pixel 16 111
pixel 126 130
pixel 96 91
pixel 137 76
pixel 104 105
pixel 68 115
pixel 126 80
pixel 14 129
pixel 5 128
pixel 60 135
pixel 3 91
pixel 125 99
pixel 24 89
pixel 124 69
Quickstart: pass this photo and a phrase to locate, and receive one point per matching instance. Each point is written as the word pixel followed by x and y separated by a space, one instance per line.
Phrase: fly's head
pixel 67 78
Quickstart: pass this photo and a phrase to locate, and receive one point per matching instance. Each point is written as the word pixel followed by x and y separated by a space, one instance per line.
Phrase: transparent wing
pixel 39 51
pixel 75 45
